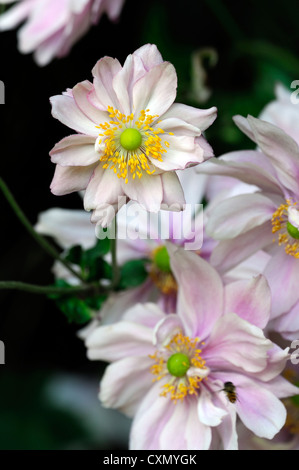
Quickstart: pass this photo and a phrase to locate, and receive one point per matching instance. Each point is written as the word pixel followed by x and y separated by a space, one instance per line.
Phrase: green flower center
pixel 293 231
pixel 162 260
pixel 178 364
pixel 130 139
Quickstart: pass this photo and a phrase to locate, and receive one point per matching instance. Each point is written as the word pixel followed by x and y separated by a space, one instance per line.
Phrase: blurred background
pixel 226 54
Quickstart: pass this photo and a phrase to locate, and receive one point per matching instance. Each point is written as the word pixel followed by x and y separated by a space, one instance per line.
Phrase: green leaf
pixel 74 254
pixel 133 273
pixel 100 249
pixel 75 309
pixel 98 269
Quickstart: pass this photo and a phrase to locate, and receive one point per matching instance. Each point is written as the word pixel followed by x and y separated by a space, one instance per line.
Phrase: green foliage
pixel 76 309
pixel 133 273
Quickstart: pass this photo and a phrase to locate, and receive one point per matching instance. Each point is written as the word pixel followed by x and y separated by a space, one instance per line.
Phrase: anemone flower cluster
pixel 197 351
pixel 52 27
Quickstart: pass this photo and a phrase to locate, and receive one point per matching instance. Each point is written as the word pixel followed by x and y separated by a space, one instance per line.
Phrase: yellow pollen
pixel 279 224
pixel 178 387
pixel 131 162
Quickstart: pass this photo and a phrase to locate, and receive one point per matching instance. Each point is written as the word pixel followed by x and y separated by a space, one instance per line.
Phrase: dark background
pixel 257 44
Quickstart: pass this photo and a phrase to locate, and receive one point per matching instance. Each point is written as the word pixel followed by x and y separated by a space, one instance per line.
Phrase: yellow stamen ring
pixel 289 235
pixel 127 144
pixel 181 354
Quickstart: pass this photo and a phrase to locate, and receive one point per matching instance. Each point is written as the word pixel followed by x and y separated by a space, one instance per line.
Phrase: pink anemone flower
pixel 266 219
pixel 53 26
pixel 130 138
pixel 186 377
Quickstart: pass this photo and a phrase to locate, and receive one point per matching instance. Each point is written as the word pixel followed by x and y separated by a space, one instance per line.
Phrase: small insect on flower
pixel 230 390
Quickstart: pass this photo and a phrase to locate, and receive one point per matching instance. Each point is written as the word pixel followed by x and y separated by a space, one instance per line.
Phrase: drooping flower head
pixel 130 136
pixel 53 26
pixel 186 376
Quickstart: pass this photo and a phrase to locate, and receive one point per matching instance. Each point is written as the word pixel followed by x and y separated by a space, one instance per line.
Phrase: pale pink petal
pixel 103 188
pixel 103 94
pixel 237 344
pixel 81 92
pixel 276 362
pixel 208 413
pixel 38 28
pixel 122 305
pixel 249 166
pixel 197 435
pixel 150 419
pixel 259 409
pixel 125 382
pixel 194 185
pixel 282 387
pixel 181 153
pixel 149 55
pixel 282 273
pixel 281 149
pixel 147 191
pixel 178 126
pixel 64 109
pixel 166 329
pixel 172 436
pixel 287 324
pixel 200 118
pixel 114 342
pixel 75 150
pixel 155 91
pixel 68 179
pixel 12 17
pixel 67 227
pixel 228 253
pixel 251 300
pixel 238 215
pixel 148 314
pixel 173 195
pixel 197 308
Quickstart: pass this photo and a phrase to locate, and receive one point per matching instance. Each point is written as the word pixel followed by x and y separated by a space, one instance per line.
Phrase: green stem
pixel 45 289
pixel 113 249
pixel 38 238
